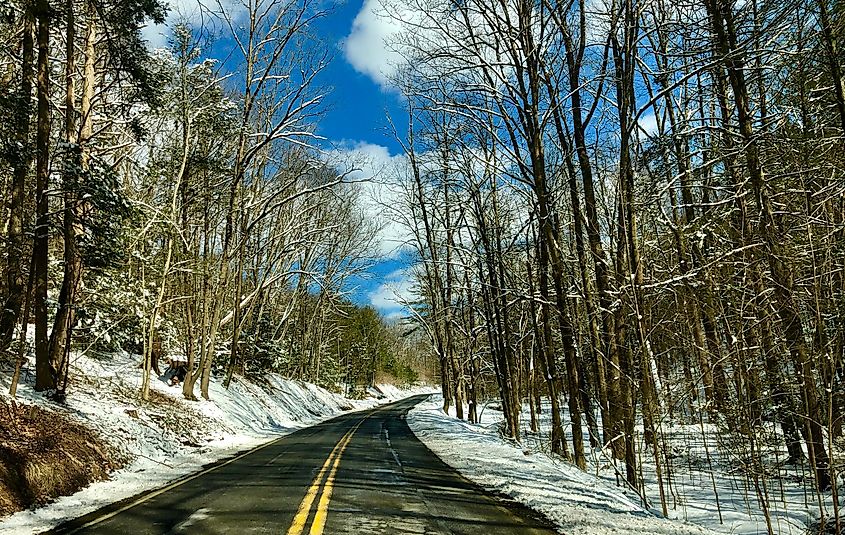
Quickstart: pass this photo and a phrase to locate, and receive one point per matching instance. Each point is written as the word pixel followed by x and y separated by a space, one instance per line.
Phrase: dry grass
pixel 44 455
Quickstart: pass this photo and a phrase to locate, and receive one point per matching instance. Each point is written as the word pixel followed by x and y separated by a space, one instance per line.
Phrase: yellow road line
pixel 179 482
pixel 304 510
pixel 323 506
pixel 305 506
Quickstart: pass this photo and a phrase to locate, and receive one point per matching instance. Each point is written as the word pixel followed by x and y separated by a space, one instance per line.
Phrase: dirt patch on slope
pixel 44 455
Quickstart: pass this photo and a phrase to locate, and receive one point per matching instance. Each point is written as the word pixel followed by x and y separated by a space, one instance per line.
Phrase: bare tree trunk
pixel 15 246
pixel 236 325
pixel 45 375
pixel 833 59
pixel 721 18
pixel 574 55
pixel 432 277
pixel 150 342
pixel 13 386
pixel 547 360
pixel 457 379
pixel 194 365
pixel 78 162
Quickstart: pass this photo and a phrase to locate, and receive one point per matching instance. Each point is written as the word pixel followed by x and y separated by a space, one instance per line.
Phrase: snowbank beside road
pixel 576 501
pixel 169 437
pixel 390 392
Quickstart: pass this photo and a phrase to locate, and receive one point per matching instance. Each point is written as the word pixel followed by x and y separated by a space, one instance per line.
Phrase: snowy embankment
pixel 169 436
pixel 708 475
pixel 578 502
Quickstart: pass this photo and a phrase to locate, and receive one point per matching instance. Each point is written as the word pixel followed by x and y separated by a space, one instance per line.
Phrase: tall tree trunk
pixel 594 352
pixel 533 128
pixel 549 366
pixel 77 164
pixel 432 276
pixel 457 387
pixel 45 375
pixel 15 246
pixel 608 348
pixel 721 17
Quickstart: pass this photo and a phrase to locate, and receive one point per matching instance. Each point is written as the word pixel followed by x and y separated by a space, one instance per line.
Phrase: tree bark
pixel 45 375
pixel 15 246
pixel 721 17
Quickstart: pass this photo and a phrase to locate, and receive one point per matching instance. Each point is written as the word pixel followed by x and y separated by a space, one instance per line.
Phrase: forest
pixel 632 210
pixel 635 209
pixel 160 202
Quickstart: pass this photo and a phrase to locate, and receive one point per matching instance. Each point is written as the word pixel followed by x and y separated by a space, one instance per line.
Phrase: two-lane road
pixel 360 473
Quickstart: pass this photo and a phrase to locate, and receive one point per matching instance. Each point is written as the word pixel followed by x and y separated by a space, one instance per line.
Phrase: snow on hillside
pixel 170 436
pixel 576 501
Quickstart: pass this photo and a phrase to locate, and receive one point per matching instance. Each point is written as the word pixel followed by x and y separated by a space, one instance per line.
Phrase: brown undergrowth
pixel 43 455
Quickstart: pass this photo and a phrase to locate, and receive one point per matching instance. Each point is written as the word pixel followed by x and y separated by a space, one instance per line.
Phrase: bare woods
pixel 164 203
pixel 635 208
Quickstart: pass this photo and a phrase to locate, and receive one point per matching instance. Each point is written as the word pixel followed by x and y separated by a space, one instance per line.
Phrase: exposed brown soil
pixel 44 455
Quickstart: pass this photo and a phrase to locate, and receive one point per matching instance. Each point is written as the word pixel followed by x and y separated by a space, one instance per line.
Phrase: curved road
pixel 359 473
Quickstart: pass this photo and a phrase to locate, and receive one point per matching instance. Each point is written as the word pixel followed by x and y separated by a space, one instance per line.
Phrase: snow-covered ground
pixel 170 437
pixel 590 503
pixel 713 481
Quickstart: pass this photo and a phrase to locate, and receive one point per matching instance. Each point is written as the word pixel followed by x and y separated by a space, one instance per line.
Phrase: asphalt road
pixel 360 473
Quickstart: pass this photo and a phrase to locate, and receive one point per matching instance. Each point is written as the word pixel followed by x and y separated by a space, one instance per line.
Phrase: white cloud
pixel 648 123
pixel 390 296
pixel 155 35
pixel 189 11
pixel 388 35
pixel 195 13
pixel 375 170
pixel 367 47
pixel 394 317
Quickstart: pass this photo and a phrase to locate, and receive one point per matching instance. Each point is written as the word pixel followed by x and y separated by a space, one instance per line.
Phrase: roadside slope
pixel 576 501
pixel 169 436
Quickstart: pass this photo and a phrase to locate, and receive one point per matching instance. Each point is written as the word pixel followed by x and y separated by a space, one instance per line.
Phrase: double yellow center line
pixel 330 466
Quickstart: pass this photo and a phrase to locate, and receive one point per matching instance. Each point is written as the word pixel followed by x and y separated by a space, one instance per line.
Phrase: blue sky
pixel 358 104
pixel 356 115
pixel 355 121
pixel 358 107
